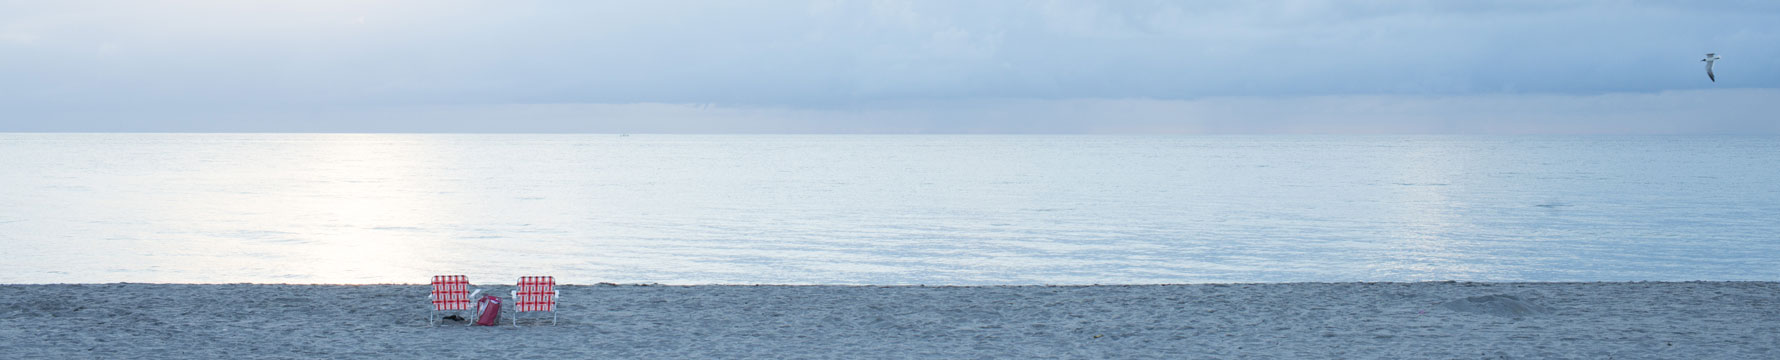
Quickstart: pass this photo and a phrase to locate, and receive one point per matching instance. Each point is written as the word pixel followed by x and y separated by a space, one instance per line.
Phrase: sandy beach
pixel 1697 320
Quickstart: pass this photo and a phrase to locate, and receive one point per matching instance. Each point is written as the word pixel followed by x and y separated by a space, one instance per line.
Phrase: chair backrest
pixel 536 293
pixel 451 292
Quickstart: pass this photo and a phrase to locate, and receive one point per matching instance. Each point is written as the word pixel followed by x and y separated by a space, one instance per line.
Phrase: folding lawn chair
pixel 451 293
pixel 535 293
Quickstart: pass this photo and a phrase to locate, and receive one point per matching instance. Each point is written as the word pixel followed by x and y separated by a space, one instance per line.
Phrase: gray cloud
pixel 1734 111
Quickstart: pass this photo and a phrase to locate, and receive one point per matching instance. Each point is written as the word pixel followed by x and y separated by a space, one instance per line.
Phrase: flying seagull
pixel 1710 57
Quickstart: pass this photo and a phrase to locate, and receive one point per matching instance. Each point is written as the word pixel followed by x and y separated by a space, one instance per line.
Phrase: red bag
pixel 490 308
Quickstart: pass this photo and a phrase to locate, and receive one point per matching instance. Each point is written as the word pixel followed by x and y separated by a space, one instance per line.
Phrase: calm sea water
pixel 880 209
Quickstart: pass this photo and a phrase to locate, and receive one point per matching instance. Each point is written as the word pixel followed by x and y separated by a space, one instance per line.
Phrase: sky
pixel 1191 67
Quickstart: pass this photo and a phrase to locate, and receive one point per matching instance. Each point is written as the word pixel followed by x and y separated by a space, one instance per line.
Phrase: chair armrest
pixel 474 293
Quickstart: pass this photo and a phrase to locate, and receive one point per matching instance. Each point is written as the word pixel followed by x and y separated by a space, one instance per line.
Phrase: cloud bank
pixel 1740 111
pixel 888 66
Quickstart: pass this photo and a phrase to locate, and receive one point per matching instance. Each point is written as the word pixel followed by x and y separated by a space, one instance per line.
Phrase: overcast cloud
pixel 889 66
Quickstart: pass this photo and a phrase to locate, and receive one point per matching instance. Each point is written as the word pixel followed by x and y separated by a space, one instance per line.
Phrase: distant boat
pixel 623 135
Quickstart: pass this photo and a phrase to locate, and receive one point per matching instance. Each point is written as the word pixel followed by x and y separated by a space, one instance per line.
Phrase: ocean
pixel 885 209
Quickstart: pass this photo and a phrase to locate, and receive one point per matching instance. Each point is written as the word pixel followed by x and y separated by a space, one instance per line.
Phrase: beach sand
pixel 1694 320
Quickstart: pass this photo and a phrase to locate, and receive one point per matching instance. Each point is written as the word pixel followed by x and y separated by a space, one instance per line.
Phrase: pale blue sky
pixel 890 66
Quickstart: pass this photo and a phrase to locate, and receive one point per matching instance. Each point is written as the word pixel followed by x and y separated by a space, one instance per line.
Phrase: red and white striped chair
pixel 535 293
pixel 451 293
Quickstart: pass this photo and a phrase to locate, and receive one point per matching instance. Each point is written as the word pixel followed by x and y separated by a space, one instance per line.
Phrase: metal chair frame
pixel 444 298
pixel 531 292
